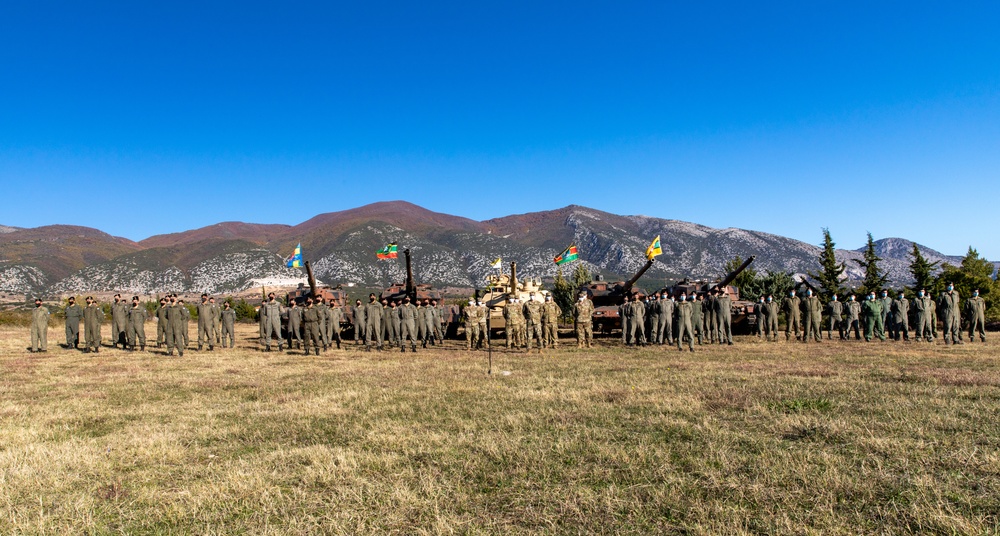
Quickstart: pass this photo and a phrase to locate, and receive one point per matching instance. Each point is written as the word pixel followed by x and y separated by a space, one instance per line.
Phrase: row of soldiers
pixel 527 323
pixel 377 324
pixel 879 317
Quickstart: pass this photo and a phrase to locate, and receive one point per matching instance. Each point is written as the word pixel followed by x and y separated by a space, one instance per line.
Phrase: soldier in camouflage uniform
pixel 39 327
pixel 93 315
pixel 74 314
pixel 471 324
pixel 532 312
pixel 510 328
pixel 550 323
pixel 814 314
pixel 583 317
pixel 483 316
pixel 228 321
pixel 949 303
pixel 975 311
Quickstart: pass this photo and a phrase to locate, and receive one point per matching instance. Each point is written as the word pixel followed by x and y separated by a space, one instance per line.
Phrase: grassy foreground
pixel 836 438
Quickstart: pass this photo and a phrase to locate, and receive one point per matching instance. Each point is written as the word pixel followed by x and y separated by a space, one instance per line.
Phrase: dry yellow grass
pixel 835 438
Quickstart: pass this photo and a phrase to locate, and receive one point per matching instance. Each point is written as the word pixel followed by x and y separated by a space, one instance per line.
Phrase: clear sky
pixel 141 118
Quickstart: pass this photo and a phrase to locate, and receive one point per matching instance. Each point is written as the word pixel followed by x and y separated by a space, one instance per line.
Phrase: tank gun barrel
pixel 627 287
pixel 410 285
pixel 312 279
pixel 513 277
pixel 732 275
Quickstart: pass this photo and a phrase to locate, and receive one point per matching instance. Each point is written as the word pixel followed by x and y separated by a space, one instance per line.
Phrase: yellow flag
pixel 654 249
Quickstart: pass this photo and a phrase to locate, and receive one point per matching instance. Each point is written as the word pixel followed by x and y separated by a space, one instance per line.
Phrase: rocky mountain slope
pixel 447 251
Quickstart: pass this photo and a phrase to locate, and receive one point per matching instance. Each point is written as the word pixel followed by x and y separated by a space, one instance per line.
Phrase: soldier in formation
pixel 74 315
pixel 685 321
pixel 532 312
pixel 975 311
pixel 294 324
pixel 771 319
pixel 176 326
pixel 93 315
pixel 949 304
pixel 469 313
pixel 228 321
pixel 923 305
pixel 550 323
pixel 271 313
pixel 634 321
pixel 390 323
pixel 313 327
pixel 871 312
pixel 137 325
pixel 437 321
pixel 359 322
pixel 206 320
pixel 119 322
pixel 216 320
pixel 583 311
pixel 373 324
pixel 836 311
pixel 408 325
pixel 853 317
pixel 791 307
pixel 814 312
pixel 161 323
pixel 724 316
pixel 39 327
pixel 899 312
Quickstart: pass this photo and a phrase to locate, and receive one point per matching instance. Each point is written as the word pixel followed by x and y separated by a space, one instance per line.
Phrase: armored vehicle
pixel 450 314
pixel 608 297
pixel 500 288
pixel 743 312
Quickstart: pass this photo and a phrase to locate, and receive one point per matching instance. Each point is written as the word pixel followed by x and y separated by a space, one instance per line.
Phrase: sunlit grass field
pixel 757 438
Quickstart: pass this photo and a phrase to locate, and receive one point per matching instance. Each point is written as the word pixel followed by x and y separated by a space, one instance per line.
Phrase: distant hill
pixel 447 251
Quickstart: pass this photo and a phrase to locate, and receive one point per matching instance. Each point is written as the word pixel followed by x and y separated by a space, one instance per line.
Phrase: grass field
pixel 834 438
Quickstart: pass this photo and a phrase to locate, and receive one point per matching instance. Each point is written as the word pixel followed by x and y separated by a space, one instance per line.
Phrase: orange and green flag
pixel 568 255
pixel 387 252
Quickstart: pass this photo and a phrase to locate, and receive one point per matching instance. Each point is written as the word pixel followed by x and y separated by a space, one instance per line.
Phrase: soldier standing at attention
pixel 93 315
pixel 206 316
pixel 923 305
pixel 119 321
pixel 373 324
pixel 724 315
pixel 295 324
pixel 975 311
pixel 272 325
pixel 389 331
pixel 899 316
pixel 175 326
pixel 550 323
pixel 583 313
pixel 408 325
pixel 310 317
pixel 886 302
pixel 483 316
pixel 39 327
pixel 334 317
pixel 653 311
pixel 359 322
pixel 853 312
pixel 533 319
pixel 761 318
pixel 216 319
pixel 871 311
pixel 161 323
pixel 638 321
pixel 74 314
pixel 666 319
pixel 685 313
pixel 421 322
pixel 791 308
pixel 836 310
pixel 186 314
pixel 510 328
pixel 814 313
pixel 698 316
pixel 228 325
pixel 949 303
pixel 137 325
pixel 427 318
pixel 324 312
pixel 436 321
pixel 471 324
pixel 771 324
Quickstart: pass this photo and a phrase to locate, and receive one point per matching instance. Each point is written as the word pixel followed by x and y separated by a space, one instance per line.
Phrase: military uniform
pixel 836 310
pixel 924 307
pixel 814 314
pixel 437 317
pixel 949 303
pixel 373 325
pixel 899 313
pixel 871 312
pixel 635 314
pixel 724 318
pixel 93 315
pixel 653 311
pixel 206 329
pixel 711 319
pixel 313 329
pixel 39 329
pixel 483 316
pixel 217 321
pixel 758 309
pixel 771 321
pixel 137 327
pixel 119 323
pixel 975 311
pixel 390 325
pixel 685 310
pixel 510 326
pixel 533 318
pixel 427 322
pixel 791 307
pixel 176 328
pixel 161 325
pixel 550 323
pixel 471 325
pixel 583 318
pixel 272 324
pixel 323 313
pixel 186 316
pixel 74 314
pixel 666 329
pixel 294 332
pixel 853 319
pixel 408 326
pixel 359 323
pixel 886 303
pixel 228 327
pixel 698 317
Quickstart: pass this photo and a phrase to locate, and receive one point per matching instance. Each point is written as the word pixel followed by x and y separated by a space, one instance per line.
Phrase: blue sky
pixel 786 118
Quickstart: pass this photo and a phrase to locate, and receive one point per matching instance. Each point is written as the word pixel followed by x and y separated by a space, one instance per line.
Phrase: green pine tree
pixel 831 271
pixel 562 291
pixel 922 271
pixel 875 276
pixel 581 276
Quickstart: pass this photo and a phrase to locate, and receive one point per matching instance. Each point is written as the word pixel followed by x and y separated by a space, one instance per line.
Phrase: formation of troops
pixel 660 319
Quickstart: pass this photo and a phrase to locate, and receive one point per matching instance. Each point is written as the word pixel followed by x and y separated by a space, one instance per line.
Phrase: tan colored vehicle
pixel 501 287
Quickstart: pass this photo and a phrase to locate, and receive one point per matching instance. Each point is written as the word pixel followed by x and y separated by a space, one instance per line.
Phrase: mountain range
pixel 447 251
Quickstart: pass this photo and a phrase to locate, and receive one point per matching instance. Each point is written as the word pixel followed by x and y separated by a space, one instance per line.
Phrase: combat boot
pixel 142 347
pixel 180 352
pixel 200 347
pixel 211 348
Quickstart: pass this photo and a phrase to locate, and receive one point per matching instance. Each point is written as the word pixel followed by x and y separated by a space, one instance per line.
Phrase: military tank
pixel 500 288
pixel 450 313
pixel 334 296
pixel 608 298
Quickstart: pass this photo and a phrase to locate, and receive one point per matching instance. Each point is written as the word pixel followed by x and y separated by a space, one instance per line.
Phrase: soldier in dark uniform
pixel 791 307
pixel 975 311
pixel 161 323
pixel 93 315
pixel 206 317
pixel 814 312
pixel 175 326
pixel 39 327
pixel 373 324
pixel 836 310
pixel 294 326
pixel 710 318
pixel 74 314
pixel 408 325
pixel 137 325
pixel 899 316
pixel 228 325
pixel 724 317
pixel 949 303
pixel 685 321
pixel 310 318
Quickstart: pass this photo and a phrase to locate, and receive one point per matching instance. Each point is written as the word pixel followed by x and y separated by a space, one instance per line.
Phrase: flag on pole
pixel 496 264
pixel 654 248
pixel 569 254
pixel 388 252
pixel 295 260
